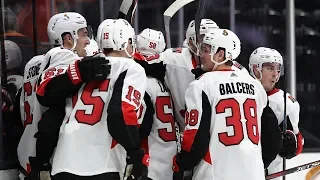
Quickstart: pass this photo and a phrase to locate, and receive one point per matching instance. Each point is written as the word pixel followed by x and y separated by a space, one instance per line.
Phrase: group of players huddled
pixel 121 106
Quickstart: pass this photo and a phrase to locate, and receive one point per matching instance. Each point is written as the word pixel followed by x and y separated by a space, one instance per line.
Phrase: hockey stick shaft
pixel 199 16
pixel 169 13
pixel 294 170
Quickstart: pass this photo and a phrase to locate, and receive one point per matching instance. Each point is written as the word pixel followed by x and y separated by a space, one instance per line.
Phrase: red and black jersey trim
pixel 125 134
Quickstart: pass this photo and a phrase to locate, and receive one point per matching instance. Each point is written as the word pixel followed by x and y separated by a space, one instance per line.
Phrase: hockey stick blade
pixel 167 15
pixel 125 6
pixel 294 170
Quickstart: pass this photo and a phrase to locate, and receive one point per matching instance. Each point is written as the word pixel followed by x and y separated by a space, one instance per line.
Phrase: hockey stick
pixel 294 170
pixel 199 16
pixel 167 15
pixel 134 11
pixel 124 8
pixel 285 120
pixel 128 7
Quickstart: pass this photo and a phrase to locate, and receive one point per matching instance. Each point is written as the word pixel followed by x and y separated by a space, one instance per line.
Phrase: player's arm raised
pixel 196 135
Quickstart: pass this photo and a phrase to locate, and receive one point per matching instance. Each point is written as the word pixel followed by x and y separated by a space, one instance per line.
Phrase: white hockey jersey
pixel 55 62
pixel 29 110
pixel 85 146
pixel 276 103
pixel 233 103
pixel 157 114
pixel 179 62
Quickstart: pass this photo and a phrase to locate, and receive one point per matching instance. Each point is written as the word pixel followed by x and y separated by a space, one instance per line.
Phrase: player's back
pixel 237 101
pixel 85 130
pixel 30 109
pixel 178 76
pixel 157 110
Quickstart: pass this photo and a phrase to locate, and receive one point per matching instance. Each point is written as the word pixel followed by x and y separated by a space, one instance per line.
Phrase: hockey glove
pixel 198 72
pixel 292 145
pixel 89 69
pixel 38 171
pixel 156 70
pixel 137 165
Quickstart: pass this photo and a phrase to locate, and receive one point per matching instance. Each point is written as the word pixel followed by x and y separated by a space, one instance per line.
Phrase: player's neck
pixel 223 67
pixel 116 54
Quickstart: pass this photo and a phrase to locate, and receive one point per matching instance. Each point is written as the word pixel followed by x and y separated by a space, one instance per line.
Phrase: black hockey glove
pixel 156 70
pixel 289 145
pixel 38 171
pixel 198 72
pixel 89 69
pixel 137 165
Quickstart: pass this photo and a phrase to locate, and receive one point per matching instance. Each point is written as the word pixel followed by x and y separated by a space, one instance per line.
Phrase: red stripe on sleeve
pixel 129 114
pixel 188 138
pixel 42 87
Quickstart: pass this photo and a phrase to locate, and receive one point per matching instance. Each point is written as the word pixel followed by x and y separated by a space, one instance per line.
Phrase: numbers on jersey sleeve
pixel 133 95
pixel 27 87
pixel 53 72
pixel 96 102
pixel 191 117
pixel 152 57
pixel 161 103
pixel 234 120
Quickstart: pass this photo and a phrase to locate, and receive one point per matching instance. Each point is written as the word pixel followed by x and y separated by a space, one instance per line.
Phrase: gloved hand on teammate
pixel 91 68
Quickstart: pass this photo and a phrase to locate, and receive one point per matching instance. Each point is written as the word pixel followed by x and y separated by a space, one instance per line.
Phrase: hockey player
pixel 226 117
pixel 102 111
pixel 181 65
pixel 157 130
pixel 175 65
pixel 31 110
pixel 265 65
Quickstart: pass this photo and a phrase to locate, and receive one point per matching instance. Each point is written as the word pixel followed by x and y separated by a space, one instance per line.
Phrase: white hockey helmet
pixel 263 55
pixel 150 42
pixel 68 22
pixel 205 26
pixel 115 34
pixel 12 54
pixel 221 38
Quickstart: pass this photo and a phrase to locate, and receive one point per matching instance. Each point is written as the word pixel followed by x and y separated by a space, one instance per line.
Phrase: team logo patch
pixel 225 33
